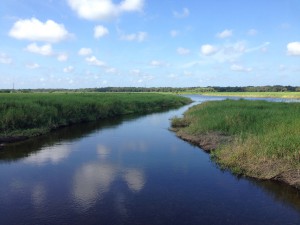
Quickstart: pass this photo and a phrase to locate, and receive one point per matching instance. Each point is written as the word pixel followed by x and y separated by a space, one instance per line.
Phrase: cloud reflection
pixel 103 151
pixel 52 155
pixel 135 179
pixel 90 183
pixel 93 180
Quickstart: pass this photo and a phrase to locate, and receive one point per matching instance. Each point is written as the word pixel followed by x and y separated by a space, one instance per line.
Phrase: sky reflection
pixel 49 155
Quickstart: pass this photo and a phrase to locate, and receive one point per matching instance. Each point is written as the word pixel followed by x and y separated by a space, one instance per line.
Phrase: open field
pixel 33 114
pixel 295 95
pixel 255 138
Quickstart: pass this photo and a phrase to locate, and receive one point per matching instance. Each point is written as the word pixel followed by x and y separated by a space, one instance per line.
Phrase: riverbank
pixel 24 115
pixel 293 95
pixel 253 138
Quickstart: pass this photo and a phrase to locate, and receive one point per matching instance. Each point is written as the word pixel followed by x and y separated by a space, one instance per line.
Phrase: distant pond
pixel 132 171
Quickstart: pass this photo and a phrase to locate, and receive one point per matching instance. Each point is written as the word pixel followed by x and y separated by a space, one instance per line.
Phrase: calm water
pixel 131 171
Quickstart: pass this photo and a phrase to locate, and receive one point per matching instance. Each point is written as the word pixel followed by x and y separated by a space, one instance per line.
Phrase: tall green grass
pixel 34 113
pixel 262 131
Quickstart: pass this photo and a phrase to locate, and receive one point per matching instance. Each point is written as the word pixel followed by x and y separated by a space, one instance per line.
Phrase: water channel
pixel 132 171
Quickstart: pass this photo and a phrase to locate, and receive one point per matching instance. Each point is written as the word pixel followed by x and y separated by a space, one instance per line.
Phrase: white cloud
pixel 100 31
pixel 208 49
pixel 35 30
pixel 94 61
pixel 131 5
pixel 293 48
pixel 156 63
pixel 68 69
pixel 226 53
pixel 45 50
pixel 62 57
pixel 32 66
pixel 183 51
pixel 230 52
pixel 185 13
pixel 174 33
pixel 240 68
pixel 262 47
pixel 104 9
pixel 85 51
pixel 224 34
pixel 5 59
pixel 252 32
pixel 140 37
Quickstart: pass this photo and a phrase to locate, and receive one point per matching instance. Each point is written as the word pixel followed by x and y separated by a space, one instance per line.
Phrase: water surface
pixel 132 171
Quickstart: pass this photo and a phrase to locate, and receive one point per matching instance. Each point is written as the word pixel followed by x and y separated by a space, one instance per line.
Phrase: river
pixel 132 171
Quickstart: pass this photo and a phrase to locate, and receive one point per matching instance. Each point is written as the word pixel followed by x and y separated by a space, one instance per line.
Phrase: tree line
pixel 275 88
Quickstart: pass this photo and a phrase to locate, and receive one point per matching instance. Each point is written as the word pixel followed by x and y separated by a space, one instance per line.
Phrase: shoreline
pixel 256 139
pixel 27 115
pixel 212 141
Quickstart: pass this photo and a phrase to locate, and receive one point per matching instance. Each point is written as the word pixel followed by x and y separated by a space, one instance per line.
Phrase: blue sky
pixel 149 43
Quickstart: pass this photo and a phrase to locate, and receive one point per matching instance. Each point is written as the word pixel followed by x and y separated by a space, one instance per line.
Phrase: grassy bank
pixel 37 113
pixel 295 95
pixel 255 138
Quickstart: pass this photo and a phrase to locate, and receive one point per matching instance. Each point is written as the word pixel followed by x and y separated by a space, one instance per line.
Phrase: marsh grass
pixel 266 135
pixel 31 114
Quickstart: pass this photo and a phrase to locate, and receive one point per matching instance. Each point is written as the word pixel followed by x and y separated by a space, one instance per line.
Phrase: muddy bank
pixel 207 142
pixel 264 169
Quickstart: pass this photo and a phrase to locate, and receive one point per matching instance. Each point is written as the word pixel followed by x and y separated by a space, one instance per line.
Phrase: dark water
pixel 131 171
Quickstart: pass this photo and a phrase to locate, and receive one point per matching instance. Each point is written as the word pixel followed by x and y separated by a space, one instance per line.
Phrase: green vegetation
pixel 257 94
pixel 276 88
pixel 31 114
pixel 264 135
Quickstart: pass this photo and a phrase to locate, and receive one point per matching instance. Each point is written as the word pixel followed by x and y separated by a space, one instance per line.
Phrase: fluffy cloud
pixel 5 59
pixel 94 61
pixel 140 37
pixel 62 57
pixel 68 69
pixel 32 66
pixel 183 51
pixel 293 48
pixel 35 30
pixel 100 31
pixel 45 50
pixel 240 68
pixel 85 51
pixel 104 9
pixel 185 13
pixel 208 49
pixel 224 34
pixel 131 5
